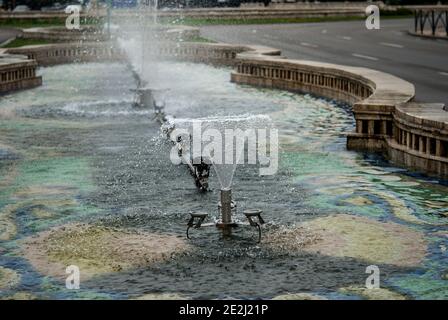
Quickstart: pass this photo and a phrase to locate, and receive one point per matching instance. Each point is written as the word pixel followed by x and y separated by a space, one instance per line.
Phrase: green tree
pixel 33 4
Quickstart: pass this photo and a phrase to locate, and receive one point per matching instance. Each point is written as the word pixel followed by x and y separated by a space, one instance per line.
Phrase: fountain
pixel 144 192
pixel 199 165
pixel 137 201
pixel 143 63
pixel 223 163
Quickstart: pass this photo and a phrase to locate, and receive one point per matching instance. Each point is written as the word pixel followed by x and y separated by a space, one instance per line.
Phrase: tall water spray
pixel 141 43
pixel 139 37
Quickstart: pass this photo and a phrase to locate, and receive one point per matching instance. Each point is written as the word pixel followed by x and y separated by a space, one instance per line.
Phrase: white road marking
pixel 364 57
pixel 306 44
pixel 324 31
pixel 393 45
pixel 443 73
pixel 347 38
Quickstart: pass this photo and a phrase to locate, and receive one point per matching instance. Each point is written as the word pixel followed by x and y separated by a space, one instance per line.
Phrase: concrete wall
pixel 420 137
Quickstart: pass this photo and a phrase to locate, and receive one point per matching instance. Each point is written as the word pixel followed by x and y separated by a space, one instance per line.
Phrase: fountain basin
pixel 117 175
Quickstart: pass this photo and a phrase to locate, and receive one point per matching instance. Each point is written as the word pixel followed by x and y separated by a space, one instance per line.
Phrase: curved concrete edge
pixel 427 116
pixel 387 89
pixel 260 52
pixel 427 36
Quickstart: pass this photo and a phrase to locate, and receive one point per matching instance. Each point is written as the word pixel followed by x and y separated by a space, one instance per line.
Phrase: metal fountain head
pixel 226 208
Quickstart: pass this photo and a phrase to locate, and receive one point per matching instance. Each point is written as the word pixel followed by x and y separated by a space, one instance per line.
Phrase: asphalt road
pixel 424 62
pixel 6 34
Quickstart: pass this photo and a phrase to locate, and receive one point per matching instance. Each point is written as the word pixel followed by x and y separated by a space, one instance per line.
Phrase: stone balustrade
pixel 47 55
pixel 219 54
pixel 17 73
pixel 283 74
pixel 212 53
pixel 420 137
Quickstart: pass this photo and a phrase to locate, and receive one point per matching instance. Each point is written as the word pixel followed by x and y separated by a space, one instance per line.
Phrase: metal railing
pixel 436 19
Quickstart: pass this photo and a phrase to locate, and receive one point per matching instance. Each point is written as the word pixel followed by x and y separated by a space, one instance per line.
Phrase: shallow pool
pixel 89 177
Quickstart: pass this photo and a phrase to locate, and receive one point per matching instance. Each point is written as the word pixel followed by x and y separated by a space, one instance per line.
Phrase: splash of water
pixel 224 169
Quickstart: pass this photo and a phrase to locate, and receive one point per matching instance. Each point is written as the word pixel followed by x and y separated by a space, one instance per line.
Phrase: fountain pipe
pixel 226 206
pixel 147 98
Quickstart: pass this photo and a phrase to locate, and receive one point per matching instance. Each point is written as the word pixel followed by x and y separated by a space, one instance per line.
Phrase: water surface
pixel 76 150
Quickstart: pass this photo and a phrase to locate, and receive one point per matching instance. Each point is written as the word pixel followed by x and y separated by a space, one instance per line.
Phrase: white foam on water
pixel 93 108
